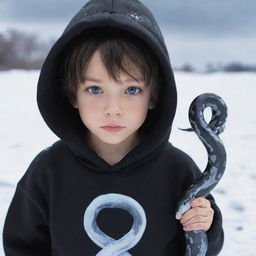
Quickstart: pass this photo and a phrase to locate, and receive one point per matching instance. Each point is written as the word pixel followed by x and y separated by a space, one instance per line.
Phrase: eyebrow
pixel 132 79
pixel 91 79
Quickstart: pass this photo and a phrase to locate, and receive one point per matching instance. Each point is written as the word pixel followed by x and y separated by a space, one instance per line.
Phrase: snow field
pixel 23 134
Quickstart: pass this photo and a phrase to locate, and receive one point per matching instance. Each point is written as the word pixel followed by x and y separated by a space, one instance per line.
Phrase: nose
pixel 113 107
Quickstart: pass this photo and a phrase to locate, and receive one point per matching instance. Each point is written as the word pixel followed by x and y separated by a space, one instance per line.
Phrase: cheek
pixel 88 112
pixel 138 109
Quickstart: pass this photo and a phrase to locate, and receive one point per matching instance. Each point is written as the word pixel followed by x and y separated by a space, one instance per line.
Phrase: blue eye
pixel 93 90
pixel 133 90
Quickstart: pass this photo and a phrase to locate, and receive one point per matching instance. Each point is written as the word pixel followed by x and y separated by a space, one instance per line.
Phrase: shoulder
pixel 35 184
pixel 50 153
pixel 178 156
pixel 40 167
pixel 181 162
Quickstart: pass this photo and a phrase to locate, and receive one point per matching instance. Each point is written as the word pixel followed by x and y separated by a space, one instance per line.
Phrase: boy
pixel 111 184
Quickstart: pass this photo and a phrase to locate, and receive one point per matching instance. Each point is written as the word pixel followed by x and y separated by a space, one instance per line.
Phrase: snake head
pixel 182 209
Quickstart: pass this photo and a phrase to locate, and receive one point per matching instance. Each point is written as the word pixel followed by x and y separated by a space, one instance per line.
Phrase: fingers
pixel 197 226
pixel 196 212
pixel 199 217
pixel 197 222
pixel 200 202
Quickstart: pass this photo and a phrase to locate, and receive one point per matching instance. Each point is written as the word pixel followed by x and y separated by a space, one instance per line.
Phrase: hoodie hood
pixel 133 17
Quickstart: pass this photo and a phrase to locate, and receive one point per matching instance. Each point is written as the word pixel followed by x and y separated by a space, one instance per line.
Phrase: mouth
pixel 112 128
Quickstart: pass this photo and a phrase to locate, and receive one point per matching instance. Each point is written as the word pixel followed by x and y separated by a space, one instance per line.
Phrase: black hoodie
pixel 70 202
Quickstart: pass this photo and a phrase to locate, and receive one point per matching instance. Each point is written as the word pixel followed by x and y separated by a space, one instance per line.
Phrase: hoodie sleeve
pixel 26 230
pixel 215 234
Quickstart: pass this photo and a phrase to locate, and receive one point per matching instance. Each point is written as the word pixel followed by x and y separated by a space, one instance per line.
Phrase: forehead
pixel 97 67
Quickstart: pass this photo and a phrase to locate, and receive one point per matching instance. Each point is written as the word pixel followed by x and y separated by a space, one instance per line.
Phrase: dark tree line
pixel 19 50
pixel 230 67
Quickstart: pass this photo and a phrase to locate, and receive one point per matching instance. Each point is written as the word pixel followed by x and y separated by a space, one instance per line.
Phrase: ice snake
pixel 196 241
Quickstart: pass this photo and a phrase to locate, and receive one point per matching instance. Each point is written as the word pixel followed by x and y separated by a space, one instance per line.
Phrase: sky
pixel 196 31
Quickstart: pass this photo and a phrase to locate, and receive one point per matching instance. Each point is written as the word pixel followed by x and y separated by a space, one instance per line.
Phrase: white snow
pixel 24 133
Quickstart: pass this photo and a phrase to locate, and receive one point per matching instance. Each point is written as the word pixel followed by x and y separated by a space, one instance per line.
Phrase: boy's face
pixel 101 101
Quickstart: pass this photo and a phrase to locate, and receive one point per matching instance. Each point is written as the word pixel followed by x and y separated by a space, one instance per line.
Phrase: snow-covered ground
pixel 23 134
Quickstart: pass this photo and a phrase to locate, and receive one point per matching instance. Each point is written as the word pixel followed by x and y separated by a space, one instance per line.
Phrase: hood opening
pixel 64 120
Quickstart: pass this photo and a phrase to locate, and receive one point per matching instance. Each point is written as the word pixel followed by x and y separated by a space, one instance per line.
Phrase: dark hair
pixel 117 49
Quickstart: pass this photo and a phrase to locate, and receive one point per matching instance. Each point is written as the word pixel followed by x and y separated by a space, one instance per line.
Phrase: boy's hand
pixel 199 217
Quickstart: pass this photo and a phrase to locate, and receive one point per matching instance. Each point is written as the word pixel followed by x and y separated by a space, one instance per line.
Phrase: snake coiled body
pixel 196 241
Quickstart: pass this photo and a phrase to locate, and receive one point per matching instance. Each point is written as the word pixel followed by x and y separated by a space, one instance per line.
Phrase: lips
pixel 112 128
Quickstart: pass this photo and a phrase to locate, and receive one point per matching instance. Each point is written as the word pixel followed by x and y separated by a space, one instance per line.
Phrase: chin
pixel 113 141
